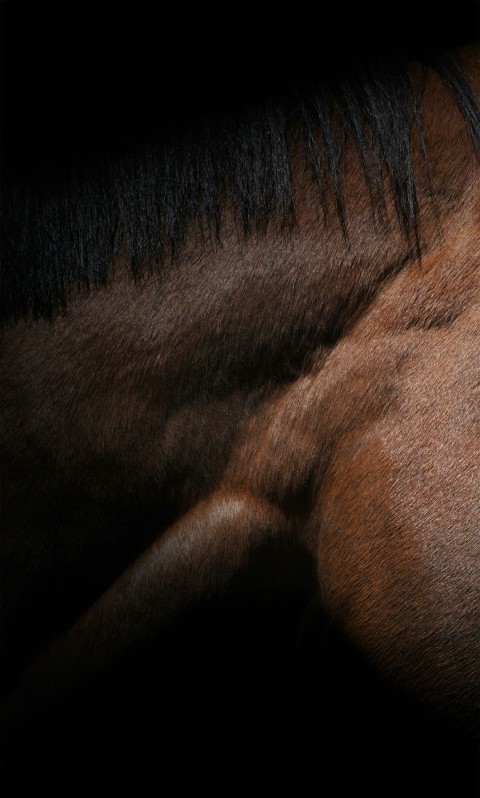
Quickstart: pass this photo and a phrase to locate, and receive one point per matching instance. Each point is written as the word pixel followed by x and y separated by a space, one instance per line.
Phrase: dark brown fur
pixel 291 390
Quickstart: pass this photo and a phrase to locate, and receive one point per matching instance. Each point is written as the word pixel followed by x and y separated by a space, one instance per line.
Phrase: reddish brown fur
pixel 188 394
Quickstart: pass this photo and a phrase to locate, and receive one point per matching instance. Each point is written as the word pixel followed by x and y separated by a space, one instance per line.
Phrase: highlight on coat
pixel 239 389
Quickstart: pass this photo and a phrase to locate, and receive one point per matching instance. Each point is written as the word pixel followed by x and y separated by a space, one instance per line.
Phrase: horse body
pixel 301 397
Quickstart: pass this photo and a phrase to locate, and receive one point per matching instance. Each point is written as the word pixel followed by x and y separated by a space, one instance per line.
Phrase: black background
pixel 75 71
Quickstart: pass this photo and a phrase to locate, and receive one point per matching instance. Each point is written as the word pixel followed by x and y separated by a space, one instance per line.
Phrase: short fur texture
pixel 281 421
pixel 68 218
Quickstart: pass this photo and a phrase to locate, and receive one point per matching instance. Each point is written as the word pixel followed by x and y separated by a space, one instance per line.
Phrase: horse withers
pixel 240 372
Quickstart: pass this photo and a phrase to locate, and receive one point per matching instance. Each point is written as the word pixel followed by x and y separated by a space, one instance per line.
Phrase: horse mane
pixel 67 215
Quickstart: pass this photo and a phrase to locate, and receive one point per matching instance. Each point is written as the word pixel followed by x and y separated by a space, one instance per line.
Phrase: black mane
pixel 137 188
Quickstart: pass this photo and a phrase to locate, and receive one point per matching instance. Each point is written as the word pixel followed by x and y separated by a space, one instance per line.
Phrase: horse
pixel 240 373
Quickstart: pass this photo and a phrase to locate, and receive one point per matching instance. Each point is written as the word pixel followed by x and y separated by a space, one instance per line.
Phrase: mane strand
pixel 67 215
